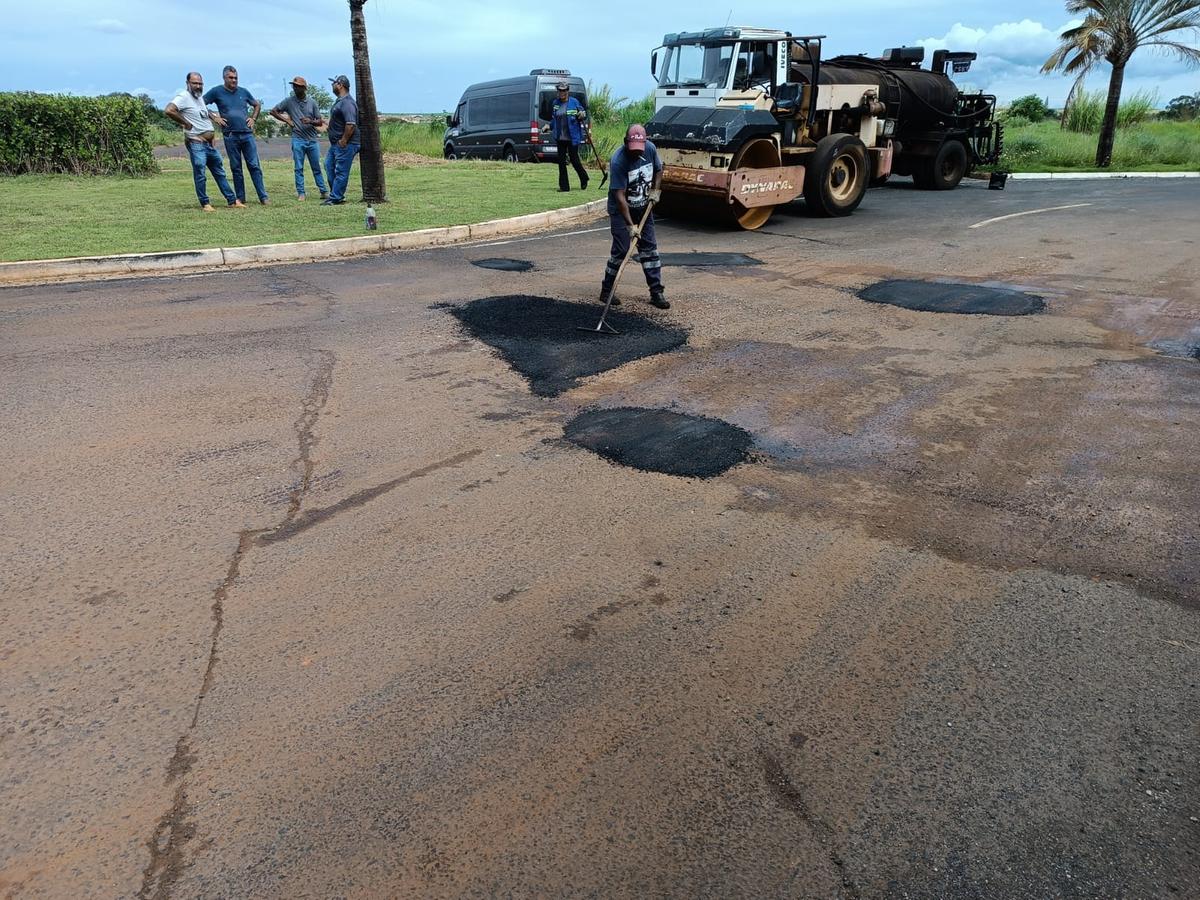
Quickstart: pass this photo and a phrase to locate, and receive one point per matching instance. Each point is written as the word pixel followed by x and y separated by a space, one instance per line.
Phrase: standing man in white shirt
pixel 191 113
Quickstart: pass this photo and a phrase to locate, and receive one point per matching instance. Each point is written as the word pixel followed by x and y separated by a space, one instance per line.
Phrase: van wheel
pixel 450 152
pixel 510 153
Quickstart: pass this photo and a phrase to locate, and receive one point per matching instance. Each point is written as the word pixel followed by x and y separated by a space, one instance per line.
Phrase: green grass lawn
pixel 1151 147
pixel 48 216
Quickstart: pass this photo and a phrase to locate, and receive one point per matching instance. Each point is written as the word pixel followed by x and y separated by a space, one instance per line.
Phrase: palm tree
pixel 374 185
pixel 1113 30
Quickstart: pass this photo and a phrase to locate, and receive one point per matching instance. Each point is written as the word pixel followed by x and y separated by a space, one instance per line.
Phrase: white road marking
pixel 540 237
pixel 1028 212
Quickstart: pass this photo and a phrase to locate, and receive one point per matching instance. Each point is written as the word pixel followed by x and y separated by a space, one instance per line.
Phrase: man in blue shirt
pixel 343 141
pixel 567 124
pixel 635 174
pixel 232 103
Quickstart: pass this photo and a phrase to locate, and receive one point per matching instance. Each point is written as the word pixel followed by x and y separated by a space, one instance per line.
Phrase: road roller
pixel 748 119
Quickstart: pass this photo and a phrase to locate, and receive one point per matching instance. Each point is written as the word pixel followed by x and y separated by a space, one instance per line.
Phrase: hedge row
pixel 48 133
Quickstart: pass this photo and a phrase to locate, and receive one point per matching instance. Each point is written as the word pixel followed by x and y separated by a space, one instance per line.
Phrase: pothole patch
pixel 502 264
pixel 540 338
pixel 709 259
pixel 1177 349
pixel 658 440
pixel 965 299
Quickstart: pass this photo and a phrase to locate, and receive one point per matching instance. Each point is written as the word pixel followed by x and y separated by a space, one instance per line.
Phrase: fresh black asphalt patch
pixel 540 338
pixel 658 440
pixel 968 299
pixel 709 259
pixel 503 265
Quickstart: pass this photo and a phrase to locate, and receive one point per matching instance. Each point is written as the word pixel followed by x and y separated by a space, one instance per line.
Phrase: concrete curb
pixel 86 268
pixel 1087 176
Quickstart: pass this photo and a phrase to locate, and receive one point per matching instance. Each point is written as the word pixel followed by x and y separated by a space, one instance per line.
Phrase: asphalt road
pixel 304 594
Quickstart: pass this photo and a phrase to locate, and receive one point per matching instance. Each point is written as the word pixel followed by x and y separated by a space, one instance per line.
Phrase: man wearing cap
pixel 190 112
pixel 567 124
pixel 299 112
pixel 237 111
pixel 635 175
pixel 343 141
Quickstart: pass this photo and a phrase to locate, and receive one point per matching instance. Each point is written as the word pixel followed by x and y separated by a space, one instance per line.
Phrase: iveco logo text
pixel 765 187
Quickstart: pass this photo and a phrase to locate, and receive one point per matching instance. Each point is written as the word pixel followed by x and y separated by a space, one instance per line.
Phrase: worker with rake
pixel 636 175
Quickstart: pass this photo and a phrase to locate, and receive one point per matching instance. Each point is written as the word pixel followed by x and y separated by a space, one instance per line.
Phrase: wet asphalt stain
pixel 1177 349
pixel 709 259
pixel 500 264
pixel 540 338
pixel 966 299
pixel 658 440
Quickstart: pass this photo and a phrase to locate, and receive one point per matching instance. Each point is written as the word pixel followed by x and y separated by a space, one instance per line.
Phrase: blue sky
pixel 424 52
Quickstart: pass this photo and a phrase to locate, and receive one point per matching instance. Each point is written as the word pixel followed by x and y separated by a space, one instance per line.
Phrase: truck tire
pixel 947 168
pixel 450 152
pixel 837 178
pixel 510 153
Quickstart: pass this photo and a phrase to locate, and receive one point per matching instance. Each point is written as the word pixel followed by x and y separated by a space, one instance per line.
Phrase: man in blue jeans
pixel 232 103
pixel 300 114
pixel 189 111
pixel 343 141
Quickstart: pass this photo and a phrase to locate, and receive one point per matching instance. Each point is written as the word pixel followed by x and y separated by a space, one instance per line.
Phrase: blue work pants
pixel 205 156
pixel 302 150
pixel 241 145
pixel 647 250
pixel 338 162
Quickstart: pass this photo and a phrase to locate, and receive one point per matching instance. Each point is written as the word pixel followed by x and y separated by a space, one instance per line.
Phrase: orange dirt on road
pixel 306 594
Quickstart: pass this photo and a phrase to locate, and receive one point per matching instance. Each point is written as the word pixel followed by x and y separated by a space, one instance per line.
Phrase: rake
pixel 602 327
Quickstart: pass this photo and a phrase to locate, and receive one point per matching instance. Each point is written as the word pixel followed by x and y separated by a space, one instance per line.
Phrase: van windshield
pixel 697 65
pixel 546 103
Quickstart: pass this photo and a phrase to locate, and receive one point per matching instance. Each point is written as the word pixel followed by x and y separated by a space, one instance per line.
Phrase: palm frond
pixel 1190 55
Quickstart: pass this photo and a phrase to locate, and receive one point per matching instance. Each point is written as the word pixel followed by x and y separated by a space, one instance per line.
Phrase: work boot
pixel 616 301
pixel 658 299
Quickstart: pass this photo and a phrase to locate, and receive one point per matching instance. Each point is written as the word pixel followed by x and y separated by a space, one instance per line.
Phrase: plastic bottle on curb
pixel 372 222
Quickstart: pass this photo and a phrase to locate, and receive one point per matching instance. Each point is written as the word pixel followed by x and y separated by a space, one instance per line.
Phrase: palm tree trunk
pixel 1108 128
pixel 374 186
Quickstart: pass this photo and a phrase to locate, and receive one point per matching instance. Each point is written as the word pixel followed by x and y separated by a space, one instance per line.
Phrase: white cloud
pixel 1025 43
pixel 111 26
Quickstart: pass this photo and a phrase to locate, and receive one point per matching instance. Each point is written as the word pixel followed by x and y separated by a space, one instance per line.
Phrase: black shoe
pixel 583 184
pixel 657 299
pixel 331 202
pixel 616 301
pixel 564 190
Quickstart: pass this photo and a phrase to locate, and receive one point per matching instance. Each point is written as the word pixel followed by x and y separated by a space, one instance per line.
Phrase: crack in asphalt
pixel 310 411
pixel 793 798
pixel 175 828
pixel 295 525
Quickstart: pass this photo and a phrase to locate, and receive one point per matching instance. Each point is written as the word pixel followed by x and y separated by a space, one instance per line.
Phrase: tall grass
pixel 1086 112
pixel 423 138
pixel 1043 146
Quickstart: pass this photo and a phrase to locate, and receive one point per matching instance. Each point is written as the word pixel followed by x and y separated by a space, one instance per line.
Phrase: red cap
pixel 635 137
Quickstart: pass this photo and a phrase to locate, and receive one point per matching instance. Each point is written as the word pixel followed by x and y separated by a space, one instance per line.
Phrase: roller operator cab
pixel 747 119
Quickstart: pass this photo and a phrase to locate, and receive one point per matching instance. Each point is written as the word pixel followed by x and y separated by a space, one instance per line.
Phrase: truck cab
pixel 704 68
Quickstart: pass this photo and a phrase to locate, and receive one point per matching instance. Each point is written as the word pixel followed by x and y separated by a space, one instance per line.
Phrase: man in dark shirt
pixel 635 172
pixel 343 141
pixel 232 103
pixel 300 114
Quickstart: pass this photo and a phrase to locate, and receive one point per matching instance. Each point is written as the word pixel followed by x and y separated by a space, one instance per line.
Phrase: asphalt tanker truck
pixel 747 119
